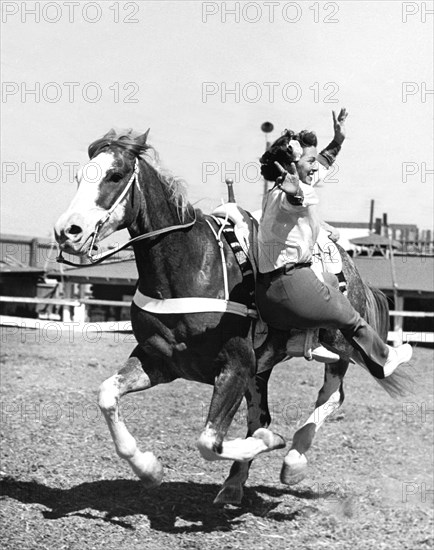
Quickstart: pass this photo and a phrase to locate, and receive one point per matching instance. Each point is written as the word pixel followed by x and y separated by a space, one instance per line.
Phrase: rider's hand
pixel 339 125
pixel 290 181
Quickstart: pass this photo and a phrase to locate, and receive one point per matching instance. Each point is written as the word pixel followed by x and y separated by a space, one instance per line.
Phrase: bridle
pixel 104 219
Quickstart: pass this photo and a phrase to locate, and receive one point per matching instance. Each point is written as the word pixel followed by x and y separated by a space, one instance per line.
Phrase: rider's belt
pixel 272 275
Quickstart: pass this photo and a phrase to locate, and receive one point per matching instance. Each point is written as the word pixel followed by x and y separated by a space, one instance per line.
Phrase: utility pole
pixel 371 216
pixel 267 128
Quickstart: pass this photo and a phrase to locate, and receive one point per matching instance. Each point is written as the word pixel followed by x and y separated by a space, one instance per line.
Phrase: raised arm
pixel 329 154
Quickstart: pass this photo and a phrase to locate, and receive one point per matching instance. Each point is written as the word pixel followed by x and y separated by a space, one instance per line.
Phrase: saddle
pixel 241 231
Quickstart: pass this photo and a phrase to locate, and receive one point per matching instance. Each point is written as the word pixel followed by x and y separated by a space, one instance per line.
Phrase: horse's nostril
pixel 74 230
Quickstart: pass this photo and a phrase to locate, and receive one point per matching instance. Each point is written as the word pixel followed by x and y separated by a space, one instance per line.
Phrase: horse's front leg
pixel 136 375
pixel 258 416
pixel 237 362
pixel 330 398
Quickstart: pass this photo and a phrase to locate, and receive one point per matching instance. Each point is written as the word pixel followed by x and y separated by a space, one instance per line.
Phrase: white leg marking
pixel 294 467
pixel 242 450
pixel 323 411
pixel 145 465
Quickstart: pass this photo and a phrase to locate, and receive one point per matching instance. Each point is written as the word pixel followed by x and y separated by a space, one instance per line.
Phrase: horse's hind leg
pixel 330 398
pixel 237 365
pixel 131 378
pixel 258 416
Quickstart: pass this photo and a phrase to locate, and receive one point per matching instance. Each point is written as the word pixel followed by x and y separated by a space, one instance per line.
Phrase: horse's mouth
pixel 79 248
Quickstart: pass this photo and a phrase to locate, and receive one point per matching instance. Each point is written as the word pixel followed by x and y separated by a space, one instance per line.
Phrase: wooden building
pixel 20 282
pixel 408 282
pixel 110 281
pixel 408 285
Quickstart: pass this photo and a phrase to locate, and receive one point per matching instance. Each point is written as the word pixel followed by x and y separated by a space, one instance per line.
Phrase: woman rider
pixel 288 293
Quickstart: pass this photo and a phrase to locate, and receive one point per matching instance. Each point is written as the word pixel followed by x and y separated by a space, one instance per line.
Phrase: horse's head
pixel 299 149
pixel 101 204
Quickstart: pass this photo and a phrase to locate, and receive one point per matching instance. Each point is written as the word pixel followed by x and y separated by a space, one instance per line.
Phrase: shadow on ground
pixel 119 498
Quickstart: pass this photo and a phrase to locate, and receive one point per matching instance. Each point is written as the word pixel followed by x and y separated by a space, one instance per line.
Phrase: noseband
pixel 100 223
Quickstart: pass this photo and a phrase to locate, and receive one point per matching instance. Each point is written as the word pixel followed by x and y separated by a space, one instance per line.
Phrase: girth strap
pixel 191 305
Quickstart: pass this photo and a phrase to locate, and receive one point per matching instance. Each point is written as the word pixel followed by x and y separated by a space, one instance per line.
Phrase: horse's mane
pixel 128 141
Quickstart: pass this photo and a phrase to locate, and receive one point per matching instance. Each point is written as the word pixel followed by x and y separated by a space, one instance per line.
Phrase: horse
pixel 180 257
pixel 191 314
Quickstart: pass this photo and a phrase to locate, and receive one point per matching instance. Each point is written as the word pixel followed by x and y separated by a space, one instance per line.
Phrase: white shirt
pixel 287 233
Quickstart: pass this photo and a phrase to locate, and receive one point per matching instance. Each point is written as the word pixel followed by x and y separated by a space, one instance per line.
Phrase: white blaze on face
pixel 84 212
pixel 89 179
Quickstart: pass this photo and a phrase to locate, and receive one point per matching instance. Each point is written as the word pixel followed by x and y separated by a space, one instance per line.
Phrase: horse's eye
pixel 116 177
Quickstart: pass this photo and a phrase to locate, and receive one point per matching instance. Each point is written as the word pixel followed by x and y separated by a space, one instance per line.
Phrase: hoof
pixel 148 469
pixel 272 441
pixel 230 494
pixel 294 468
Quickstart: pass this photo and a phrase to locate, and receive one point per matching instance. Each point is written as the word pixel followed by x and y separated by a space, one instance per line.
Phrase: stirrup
pixel 313 350
pixel 323 355
pixel 305 343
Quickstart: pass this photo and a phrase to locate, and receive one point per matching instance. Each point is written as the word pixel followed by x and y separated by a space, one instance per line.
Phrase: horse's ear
pixel 143 138
pixel 110 133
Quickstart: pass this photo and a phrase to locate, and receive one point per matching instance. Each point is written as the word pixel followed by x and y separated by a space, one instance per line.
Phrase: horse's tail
pixel 400 383
pixel 377 311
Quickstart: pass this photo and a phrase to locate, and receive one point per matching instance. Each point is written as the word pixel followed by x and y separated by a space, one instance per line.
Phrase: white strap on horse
pixel 110 211
pixel 103 220
pixel 113 207
pixel 197 305
pixel 191 305
pixel 223 257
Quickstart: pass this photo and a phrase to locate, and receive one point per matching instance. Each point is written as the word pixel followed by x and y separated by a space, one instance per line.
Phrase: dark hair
pixel 282 152
pixel 307 138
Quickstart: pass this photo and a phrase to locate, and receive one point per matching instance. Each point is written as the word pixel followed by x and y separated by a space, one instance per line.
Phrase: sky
pixel 204 76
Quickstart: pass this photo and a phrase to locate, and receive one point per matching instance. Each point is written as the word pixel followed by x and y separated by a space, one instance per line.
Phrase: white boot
pixel 397 356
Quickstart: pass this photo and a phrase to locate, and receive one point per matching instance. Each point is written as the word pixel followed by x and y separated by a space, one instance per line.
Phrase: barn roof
pixel 413 273
pixel 375 240
pixel 366 225
pixel 120 272
pixel 19 270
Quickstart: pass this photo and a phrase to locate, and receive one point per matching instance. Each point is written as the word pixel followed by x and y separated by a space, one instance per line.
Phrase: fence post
pixel 80 313
pixel 398 320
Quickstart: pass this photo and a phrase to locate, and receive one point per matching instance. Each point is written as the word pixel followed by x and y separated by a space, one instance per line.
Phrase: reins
pixel 99 224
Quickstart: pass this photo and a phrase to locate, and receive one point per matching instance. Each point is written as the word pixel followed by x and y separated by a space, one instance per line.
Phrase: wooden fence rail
pixel 74 315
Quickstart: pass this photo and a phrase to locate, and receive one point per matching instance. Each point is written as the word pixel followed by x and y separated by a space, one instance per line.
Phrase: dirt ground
pixel 370 481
